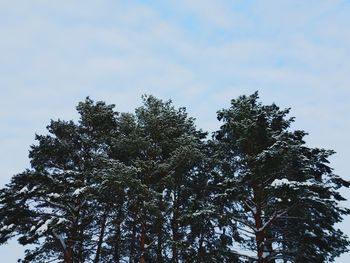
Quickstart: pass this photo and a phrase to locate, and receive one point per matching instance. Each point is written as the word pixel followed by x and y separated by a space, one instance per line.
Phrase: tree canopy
pixel 150 186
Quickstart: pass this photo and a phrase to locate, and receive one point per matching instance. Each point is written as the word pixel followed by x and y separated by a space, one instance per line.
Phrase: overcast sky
pixel 199 53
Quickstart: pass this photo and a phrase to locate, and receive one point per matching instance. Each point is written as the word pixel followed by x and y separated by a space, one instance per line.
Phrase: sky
pixel 199 53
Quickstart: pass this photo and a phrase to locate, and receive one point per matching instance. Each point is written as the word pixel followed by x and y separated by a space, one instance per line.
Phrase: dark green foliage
pixel 280 193
pixel 148 187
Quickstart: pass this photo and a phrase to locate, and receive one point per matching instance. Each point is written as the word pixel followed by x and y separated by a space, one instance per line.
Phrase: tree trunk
pixel 116 254
pixel 100 238
pixel 66 249
pixel 142 243
pixel 118 232
pixel 175 240
pixel 159 244
pixel 68 255
pixel 259 234
pixel 160 233
pixel 200 249
pixel 175 231
pixel 132 245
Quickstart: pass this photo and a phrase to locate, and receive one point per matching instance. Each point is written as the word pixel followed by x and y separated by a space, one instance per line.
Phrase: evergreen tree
pixel 147 187
pixel 110 188
pixel 277 191
pixel 170 150
pixel 57 204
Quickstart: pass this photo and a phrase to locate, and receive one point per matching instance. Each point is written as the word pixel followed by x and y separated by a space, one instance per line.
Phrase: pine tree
pixel 147 187
pixel 57 204
pixel 280 194
pixel 170 150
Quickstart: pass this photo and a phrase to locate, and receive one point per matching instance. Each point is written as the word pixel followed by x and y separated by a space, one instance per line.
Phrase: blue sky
pixel 199 53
